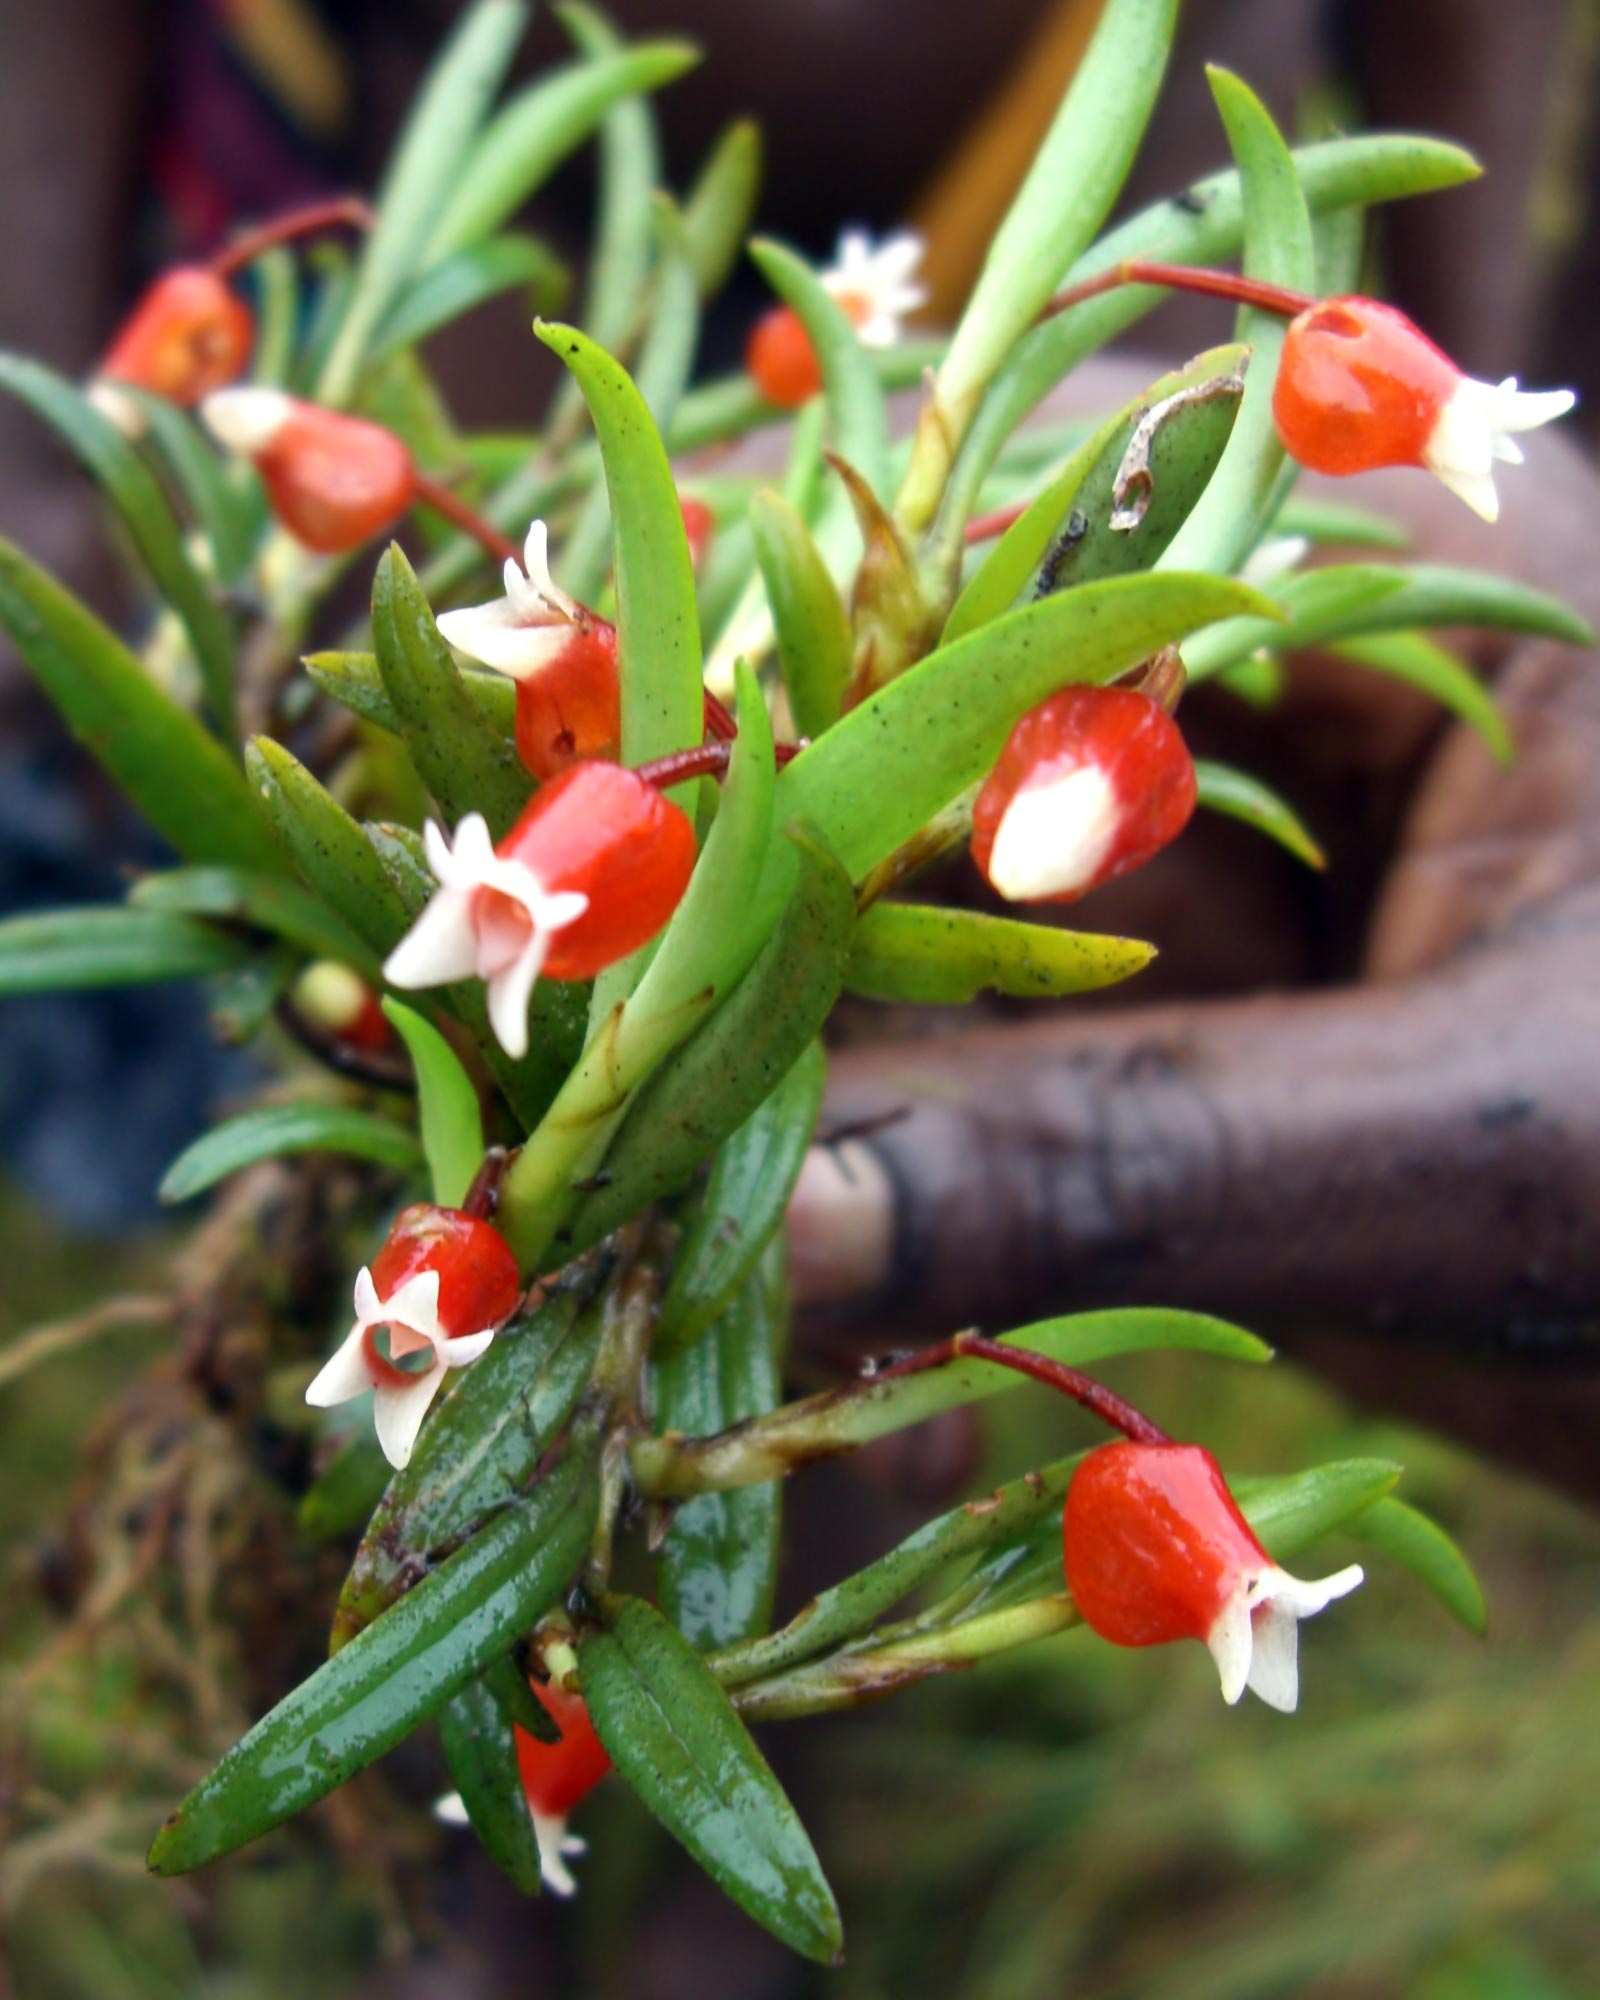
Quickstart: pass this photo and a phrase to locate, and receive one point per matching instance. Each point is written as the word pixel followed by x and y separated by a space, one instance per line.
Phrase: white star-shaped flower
pixel 520 632
pixel 492 919
pixel 875 285
pixel 1254 1638
pixel 1473 431
pixel 400 1399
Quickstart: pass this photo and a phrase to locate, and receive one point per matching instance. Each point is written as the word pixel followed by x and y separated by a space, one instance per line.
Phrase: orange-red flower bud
pixel 188 335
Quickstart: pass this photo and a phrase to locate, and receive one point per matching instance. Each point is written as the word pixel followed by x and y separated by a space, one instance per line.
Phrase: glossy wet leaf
pixel 912 747
pixel 1223 789
pixel 808 614
pixel 468 278
pixel 707 1089
pixel 1425 665
pixel 1409 1537
pixel 57 950
pixel 722 203
pixel 858 414
pixel 424 172
pixel 178 776
pixel 354 681
pixel 1290 1512
pixel 674 1737
pixel 330 852
pixel 460 756
pixel 480 1448
pixel 938 957
pixel 475 1733
pixel 447 1106
pixel 263 902
pixel 717 1568
pixel 741 1207
pixel 396 1674
pixel 273 1130
pixel 529 137
pixel 658 627
pixel 1245 491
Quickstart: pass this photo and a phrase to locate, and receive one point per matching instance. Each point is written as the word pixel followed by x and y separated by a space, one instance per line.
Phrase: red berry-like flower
pixel 562 656
pixel 556 1777
pixel 1359 386
pixel 1091 784
pixel 334 481
pixel 875 288
pixel 187 336
pixel 442 1284
pixel 1157 1550
pixel 594 867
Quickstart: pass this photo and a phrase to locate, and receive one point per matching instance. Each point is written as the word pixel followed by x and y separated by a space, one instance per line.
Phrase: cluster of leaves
pixel 659 1120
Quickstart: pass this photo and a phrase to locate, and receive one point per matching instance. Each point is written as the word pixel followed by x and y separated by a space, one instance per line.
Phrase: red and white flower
pixel 189 334
pixel 334 481
pixel 1156 1550
pixel 1360 386
pixel 875 287
pixel 593 868
pixel 555 1778
pixel 562 656
pixel 442 1285
pixel 1090 784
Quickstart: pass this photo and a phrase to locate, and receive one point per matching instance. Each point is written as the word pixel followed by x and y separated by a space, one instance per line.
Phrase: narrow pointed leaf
pixel 273 1130
pixel 479 1749
pixel 331 853
pixel 468 278
pixel 220 506
pixel 722 203
pixel 673 1735
pixel 447 1105
pixel 264 902
pixel 808 614
pixel 58 950
pixel 1313 603
pixel 1332 522
pixel 354 681
pixel 395 1675
pixel 1425 665
pixel 938 957
pixel 1223 789
pixel 1409 1537
pixel 345 1491
pixel 1290 1512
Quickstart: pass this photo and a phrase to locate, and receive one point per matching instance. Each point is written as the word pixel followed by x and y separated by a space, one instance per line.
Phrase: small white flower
pixel 556 1845
pixel 1254 1638
pixel 247 420
pixel 1474 428
pixel 520 632
pixel 876 286
pixel 1053 838
pixel 492 919
pixel 400 1401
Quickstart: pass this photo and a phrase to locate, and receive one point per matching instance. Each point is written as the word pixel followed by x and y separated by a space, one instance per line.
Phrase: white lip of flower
pixel 556 1845
pixel 1054 837
pixel 1254 1638
pixel 877 282
pixel 451 940
pixel 246 420
pixel 518 633
pixel 411 1314
pixel 1473 430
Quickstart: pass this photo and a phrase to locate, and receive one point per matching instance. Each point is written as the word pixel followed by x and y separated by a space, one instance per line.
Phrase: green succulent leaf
pixel 333 856
pixel 1409 1537
pixel 721 204
pixel 465 279
pixel 938 957
pixel 345 1491
pixel 717 1568
pixel 808 614
pixel 221 506
pixel 1223 789
pixel 1290 1512
pixel 57 950
pixel 447 1102
pixel 674 1737
pixel 1425 665
pixel 396 1674
pixel 1331 521
pixel 273 1130
pixel 264 902
pixel 475 1731
pixel 354 681
pixel 741 1207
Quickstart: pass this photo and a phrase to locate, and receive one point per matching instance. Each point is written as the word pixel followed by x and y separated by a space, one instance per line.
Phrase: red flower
pixel 594 867
pixel 1156 1550
pixel 334 481
pixel 187 336
pixel 1091 784
pixel 1359 386
pixel 443 1283
pixel 876 289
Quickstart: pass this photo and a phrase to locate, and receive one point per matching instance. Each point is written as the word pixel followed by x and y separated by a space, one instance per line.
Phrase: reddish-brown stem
pixel 1094 1396
pixel 343 212
pixel 705 760
pixel 430 493
pixel 984 527
pixel 718 721
pixel 1183 278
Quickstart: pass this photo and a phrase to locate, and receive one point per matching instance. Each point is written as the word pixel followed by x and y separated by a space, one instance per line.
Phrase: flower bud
pixel 188 335
pixel 334 481
pixel 1157 1550
pixel 1359 386
pixel 593 868
pixel 341 1003
pixel 1090 784
pixel 875 288
pixel 442 1284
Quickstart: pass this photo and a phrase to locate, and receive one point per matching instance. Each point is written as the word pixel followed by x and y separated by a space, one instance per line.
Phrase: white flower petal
pixel 440 947
pixel 344 1374
pixel 465 1348
pixel 1230 1641
pixel 1305 1600
pixel 246 420
pixel 451 1810
pixel 398 1411
pixel 555 1846
pixel 877 283
pixel 509 994
pixel 369 1307
pixel 1054 837
pixel 553 912
pixel 1476 488
pixel 1274 1659
pixel 118 407
pixel 415 1304
pixel 1515 409
pixel 495 635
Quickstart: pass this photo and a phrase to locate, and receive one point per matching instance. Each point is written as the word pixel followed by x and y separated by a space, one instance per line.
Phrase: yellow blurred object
pixel 960 211
pixel 295 57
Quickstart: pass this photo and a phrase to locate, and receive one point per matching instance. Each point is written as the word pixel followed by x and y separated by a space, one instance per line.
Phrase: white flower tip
pixel 877 283
pixel 451 1810
pixel 246 420
pixel 1054 837
pixel 118 407
pixel 556 1847
pixel 1254 1638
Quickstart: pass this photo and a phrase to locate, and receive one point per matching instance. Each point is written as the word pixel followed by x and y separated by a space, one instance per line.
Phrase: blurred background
pixel 1078 1821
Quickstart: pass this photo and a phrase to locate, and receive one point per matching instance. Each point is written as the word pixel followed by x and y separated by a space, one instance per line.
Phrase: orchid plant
pixel 622 914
